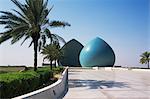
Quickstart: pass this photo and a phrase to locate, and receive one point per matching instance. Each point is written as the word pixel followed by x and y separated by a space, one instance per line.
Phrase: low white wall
pixel 54 91
pixel 148 70
pixel 118 68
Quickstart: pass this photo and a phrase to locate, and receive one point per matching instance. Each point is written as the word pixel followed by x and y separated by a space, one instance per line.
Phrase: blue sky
pixel 123 24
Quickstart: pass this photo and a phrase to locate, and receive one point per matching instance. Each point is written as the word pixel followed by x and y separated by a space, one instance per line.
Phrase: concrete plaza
pixel 108 84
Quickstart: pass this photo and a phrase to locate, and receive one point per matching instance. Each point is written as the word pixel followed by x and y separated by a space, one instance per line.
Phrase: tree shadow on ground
pixel 71 73
pixel 75 70
pixel 94 84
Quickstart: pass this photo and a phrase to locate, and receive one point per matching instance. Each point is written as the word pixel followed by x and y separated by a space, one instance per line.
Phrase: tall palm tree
pixel 30 22
pixel 51 52
pixel 145 58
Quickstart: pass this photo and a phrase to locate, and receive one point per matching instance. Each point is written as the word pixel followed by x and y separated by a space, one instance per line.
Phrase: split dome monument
pixel 95 53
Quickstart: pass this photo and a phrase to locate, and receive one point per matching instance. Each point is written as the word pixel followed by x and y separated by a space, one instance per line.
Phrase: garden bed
pixel 13 84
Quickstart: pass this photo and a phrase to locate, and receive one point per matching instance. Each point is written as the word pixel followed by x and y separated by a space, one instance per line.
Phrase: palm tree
pixel 30 22
pixel 51 52
pixel 145 58
pixel 59 52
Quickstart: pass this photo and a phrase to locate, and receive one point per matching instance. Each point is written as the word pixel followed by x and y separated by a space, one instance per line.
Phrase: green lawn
pixel 5 69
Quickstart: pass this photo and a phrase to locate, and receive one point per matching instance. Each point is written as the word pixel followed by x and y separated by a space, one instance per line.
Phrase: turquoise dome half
pixel 97 53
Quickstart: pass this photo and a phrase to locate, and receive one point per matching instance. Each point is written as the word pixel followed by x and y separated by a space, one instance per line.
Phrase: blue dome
pixel 97 53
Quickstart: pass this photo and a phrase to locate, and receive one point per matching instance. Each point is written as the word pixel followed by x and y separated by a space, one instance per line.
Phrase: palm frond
pixel 25 39
pixel 11 17
pixel 30 44
pixel 20 6
pixel 5 36
pixel 59 38
pixel 48 33
pixel 58 24
pixel 17 38
pixel 21 15
pixel 43 39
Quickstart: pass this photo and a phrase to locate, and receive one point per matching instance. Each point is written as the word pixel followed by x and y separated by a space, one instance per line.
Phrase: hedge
pixel 17 83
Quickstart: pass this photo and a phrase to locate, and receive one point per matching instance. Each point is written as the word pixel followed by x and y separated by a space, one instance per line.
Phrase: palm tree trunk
pixel 35 54
pixel 55 63
pixel 51 64
pixel 148 64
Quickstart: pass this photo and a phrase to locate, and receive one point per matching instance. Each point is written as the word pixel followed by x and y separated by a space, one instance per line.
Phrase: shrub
pixel 18 83
pixel 44 76
pixel 58 70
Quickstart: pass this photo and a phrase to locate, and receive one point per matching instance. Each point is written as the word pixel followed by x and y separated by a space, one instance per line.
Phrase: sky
pixel 123 24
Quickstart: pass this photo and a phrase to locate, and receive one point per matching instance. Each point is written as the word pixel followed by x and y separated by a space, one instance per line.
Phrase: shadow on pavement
pixel 71 73
pixel 94 84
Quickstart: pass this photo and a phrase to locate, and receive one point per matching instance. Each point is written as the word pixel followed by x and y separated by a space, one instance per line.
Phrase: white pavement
pixel 108 84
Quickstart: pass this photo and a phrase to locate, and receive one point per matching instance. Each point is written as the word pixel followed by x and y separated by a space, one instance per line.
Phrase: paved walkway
pixel 108 84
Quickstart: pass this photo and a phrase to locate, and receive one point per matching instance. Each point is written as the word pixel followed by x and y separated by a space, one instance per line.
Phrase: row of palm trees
pixel 30 22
